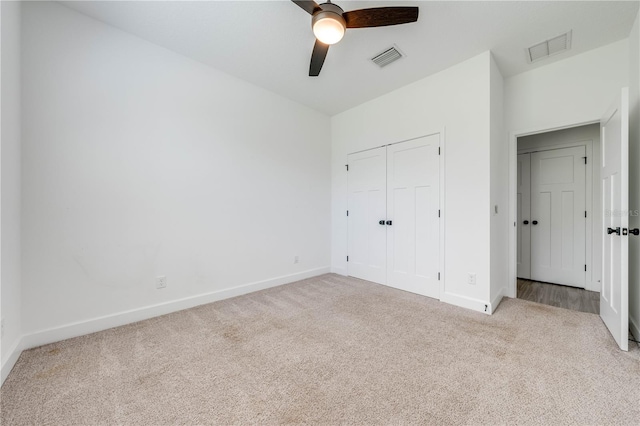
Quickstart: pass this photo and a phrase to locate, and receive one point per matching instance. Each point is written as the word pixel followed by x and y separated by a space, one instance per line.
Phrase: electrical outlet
pixel 161 282
pixel 296 259
pixel 472 279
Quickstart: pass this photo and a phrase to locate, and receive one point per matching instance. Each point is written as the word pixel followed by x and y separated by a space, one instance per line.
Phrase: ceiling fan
pixel 329 23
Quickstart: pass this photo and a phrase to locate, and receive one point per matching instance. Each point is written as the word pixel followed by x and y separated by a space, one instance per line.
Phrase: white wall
pixel 10 309
pixel 634 172
pixel 456 99
pixel 138 162
pixel 573 136
pixel 499 191
pixel 574 91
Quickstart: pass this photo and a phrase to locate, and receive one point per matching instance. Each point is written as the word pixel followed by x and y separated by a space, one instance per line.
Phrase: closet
pixel 552 216
pixel 394 214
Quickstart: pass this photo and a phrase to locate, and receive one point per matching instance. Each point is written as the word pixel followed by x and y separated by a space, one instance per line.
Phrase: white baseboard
pixel 594 286
pixel 466 302
pixel 14 354
pixel 93 325
pixel 634 327
pixel 496 300
pixel 339 271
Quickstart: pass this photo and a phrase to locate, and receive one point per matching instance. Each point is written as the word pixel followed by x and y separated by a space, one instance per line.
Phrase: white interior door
pixel 558 222
pixel 614 296
pixel 413 198
pixel 524 216
pixel 367 204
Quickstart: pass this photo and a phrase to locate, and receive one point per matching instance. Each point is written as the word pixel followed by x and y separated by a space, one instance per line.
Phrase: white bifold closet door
pixel 396 242
pixel 558 222
pixel 413 199
pixel 367 215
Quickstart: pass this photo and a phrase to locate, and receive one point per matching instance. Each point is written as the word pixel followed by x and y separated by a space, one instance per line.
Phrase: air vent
pixel 550 47
pixel 385 58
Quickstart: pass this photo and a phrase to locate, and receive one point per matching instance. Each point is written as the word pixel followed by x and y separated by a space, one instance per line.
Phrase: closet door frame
pixel 590 261
pixel 442 222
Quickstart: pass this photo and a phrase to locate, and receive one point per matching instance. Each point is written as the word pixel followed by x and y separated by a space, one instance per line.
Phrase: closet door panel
pixel 400 210
pixel 413 238
pixel 425 250
pixel 367 205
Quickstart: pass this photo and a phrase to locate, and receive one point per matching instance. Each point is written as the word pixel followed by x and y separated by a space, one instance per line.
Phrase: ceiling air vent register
pixel 549 47
pixel 383 59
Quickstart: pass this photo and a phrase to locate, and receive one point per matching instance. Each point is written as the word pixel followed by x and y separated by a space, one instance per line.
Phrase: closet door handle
pixel 526 222
pixel 389 223
pixel 613 231
pixel 634 231
pixel 535 222
pixel 381 222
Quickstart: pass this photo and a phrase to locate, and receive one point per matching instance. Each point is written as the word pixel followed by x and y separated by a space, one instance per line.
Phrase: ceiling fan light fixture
pixel 329 22
pixel 328 26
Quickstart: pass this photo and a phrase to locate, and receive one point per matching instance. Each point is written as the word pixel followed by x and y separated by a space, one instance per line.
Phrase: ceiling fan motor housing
pixel 331 11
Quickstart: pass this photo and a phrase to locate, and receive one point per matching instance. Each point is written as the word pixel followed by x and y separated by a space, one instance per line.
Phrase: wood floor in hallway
pixel 561 296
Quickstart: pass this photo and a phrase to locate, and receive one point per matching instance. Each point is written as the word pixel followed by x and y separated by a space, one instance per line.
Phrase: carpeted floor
pixel 332 350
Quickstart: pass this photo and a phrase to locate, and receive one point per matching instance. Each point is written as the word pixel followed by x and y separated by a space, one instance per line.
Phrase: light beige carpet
pixel 333 350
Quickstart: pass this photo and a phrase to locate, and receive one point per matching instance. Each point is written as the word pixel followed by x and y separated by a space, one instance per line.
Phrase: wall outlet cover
pixel 472 279
pixel 161 282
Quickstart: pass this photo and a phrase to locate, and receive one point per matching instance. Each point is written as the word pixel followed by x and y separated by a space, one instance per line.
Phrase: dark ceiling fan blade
pixel 309 6
pixel 380 16
pixel 317 58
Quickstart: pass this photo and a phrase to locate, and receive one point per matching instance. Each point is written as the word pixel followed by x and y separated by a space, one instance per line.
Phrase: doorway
pixel 558 205
pixel 614 232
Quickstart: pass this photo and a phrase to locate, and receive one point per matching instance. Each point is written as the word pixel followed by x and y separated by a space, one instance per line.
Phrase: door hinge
pixel 347 166
pixel 438 150
pixel 347 258
pixel 347 212
pixel 438 276
pixel 585 268
pixel 585 213
pixel 585 160
pixel 438 213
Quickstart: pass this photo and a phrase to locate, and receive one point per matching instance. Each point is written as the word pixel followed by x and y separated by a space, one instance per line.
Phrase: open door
pixel 614 295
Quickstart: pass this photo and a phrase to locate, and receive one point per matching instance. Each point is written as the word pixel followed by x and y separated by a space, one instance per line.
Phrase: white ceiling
pixel 268 43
